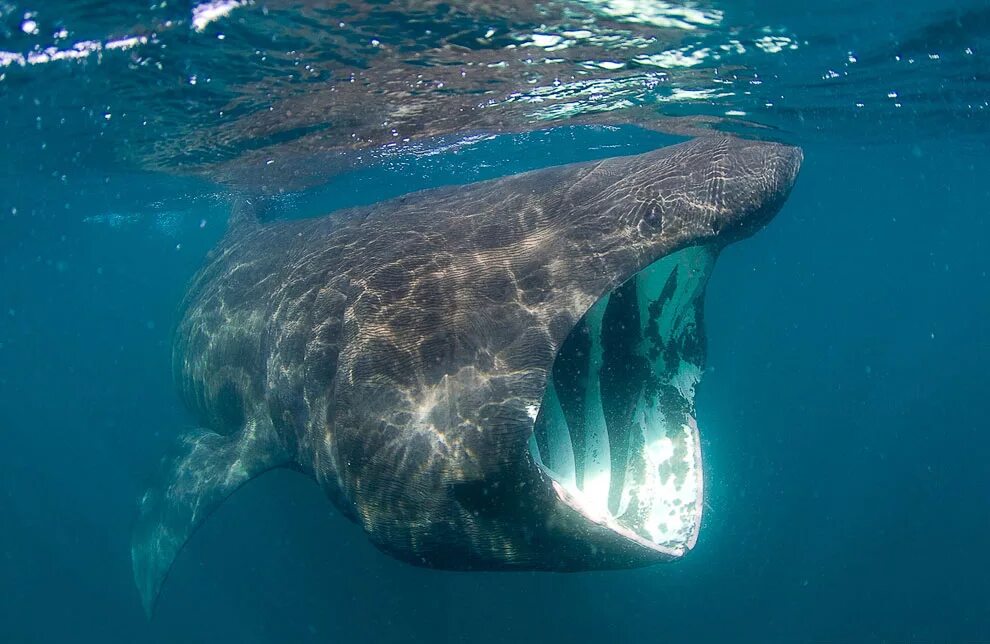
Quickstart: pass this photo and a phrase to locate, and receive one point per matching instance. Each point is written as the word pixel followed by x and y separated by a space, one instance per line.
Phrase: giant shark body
pixel 492 376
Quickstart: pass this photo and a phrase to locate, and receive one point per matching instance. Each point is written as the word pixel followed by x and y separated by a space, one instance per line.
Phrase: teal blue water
pixel 844 408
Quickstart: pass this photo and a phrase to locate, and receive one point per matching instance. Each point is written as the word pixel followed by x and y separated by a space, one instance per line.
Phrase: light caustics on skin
pixel 403 354
pixel 616 429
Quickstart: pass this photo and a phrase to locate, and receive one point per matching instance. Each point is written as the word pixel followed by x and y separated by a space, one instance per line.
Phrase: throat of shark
pixel 616 428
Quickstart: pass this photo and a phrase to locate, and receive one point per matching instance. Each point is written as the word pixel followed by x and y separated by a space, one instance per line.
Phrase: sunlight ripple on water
pixel 226 88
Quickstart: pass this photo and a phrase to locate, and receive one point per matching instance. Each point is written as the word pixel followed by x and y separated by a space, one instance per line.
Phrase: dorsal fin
pixel 245 214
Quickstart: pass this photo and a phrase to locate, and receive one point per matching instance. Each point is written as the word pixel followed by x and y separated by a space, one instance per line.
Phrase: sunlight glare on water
pixel 249 93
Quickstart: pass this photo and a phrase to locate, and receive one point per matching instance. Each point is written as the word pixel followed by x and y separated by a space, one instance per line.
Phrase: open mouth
pixel 615 430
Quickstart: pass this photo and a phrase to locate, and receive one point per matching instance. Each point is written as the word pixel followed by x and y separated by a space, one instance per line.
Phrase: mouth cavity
pixel 616 430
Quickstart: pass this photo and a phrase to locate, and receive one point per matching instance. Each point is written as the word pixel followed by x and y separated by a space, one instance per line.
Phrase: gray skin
pixel 394 353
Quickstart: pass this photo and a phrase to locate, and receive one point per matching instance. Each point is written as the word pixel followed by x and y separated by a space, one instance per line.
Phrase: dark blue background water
pixel 844 413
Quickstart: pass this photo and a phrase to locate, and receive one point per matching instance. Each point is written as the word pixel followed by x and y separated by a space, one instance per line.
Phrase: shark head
pixel 538 411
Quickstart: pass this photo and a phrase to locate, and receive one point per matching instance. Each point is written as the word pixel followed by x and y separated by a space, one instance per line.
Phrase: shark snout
pixel 752 184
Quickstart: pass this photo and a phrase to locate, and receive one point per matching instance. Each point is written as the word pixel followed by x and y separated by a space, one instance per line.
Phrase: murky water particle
pixel 30 27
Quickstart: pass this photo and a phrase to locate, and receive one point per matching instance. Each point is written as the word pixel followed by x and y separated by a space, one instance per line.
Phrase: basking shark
pixel 486 377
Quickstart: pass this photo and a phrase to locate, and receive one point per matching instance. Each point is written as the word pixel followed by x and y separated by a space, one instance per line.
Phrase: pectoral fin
pixel 206 468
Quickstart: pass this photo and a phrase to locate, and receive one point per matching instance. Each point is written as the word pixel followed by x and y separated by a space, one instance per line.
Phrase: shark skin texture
pixel 496 376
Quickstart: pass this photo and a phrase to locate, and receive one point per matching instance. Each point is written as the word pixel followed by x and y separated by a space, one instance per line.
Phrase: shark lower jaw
pixel 615 432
